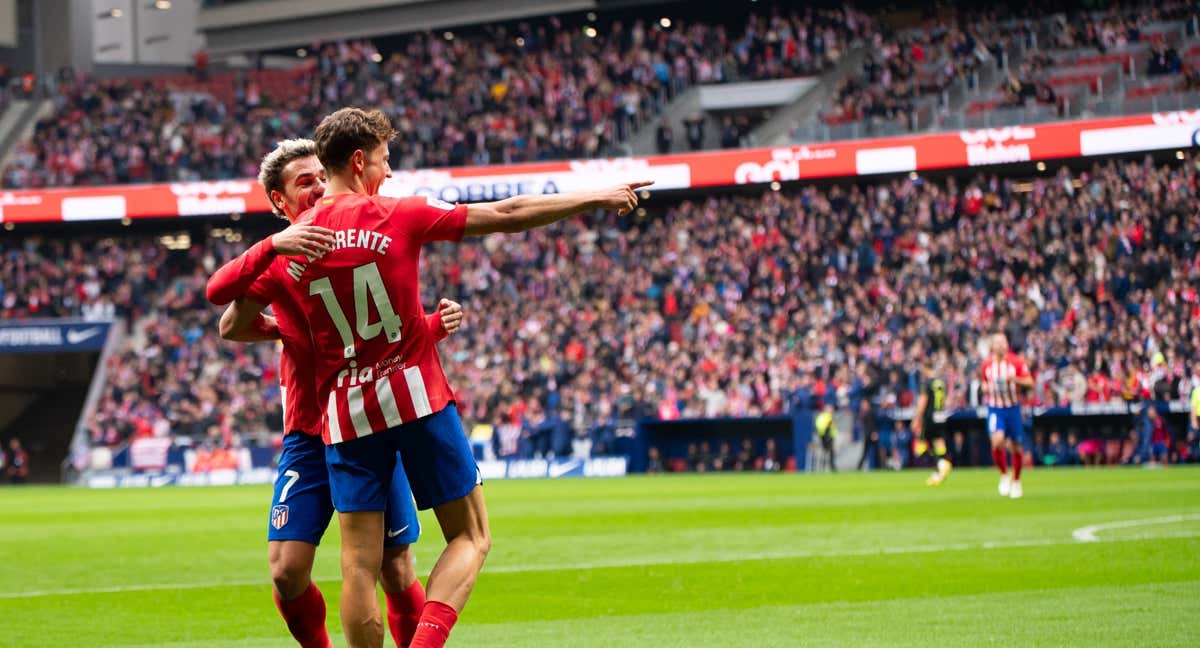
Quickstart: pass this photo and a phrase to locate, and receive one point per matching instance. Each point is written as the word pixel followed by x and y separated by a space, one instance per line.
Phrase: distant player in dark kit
pixel 925 424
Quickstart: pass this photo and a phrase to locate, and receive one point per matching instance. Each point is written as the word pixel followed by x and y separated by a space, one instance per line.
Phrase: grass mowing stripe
pixel 518 569
pixel 1137 615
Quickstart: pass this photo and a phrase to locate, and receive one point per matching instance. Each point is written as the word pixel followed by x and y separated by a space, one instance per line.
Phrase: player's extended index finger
pixel 641 183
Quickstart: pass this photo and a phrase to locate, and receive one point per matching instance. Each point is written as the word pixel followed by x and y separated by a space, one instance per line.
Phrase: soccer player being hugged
pixel 924 426
pixel 302 506
pixel 379 376
pixel 1003 374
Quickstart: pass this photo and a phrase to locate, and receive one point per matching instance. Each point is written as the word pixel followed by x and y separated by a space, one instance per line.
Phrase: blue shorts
pixel 434 451
pixel 1159 450
pixel 302 504
pixel 1008 421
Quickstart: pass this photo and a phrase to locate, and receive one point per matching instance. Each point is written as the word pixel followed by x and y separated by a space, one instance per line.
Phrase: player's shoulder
pixel 420 202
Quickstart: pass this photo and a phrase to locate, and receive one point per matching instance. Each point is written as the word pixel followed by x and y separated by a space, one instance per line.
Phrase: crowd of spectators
pixel 713 306
pixel 1113 28
pixel 173 376
pixel 540 89
pixel 903 66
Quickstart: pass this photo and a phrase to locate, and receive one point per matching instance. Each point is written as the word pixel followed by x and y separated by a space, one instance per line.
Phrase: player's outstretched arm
pixel 244 321
pixel 521 213
pixel 233 279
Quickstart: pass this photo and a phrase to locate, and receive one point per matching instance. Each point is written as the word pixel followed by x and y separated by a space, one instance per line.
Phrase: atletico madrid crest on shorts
pixel 279 516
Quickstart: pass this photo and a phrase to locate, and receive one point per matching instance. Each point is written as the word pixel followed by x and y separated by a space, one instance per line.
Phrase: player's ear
pixel 359 160
pixel 277 199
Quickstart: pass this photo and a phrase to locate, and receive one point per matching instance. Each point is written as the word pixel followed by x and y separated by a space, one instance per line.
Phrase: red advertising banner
pixel 925 152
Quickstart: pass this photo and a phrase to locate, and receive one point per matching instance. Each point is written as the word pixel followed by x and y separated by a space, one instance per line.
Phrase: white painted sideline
pixel 1088 533
pixel 645 562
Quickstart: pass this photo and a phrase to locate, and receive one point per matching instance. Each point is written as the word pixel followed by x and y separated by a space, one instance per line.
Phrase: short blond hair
pixel 270 172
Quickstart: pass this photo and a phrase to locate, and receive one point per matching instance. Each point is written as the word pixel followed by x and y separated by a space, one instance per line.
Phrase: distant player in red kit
pixel 378 371
pixel 302 507
pixel 1004 373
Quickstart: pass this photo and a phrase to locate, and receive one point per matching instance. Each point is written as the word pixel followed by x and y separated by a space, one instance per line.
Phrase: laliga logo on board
pixel 784 164
pixel 203 198
pixel 1176 118
pixel 997 145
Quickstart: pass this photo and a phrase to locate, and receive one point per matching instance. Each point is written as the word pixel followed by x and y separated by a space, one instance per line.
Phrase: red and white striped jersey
pixel 302 412
pixel 374 355
pixel 999 380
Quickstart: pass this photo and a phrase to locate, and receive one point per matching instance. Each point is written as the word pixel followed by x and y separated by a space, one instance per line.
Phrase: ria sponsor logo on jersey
pixel 353 376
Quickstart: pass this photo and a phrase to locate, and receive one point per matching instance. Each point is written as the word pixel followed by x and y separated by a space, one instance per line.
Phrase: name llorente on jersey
pixel 342 239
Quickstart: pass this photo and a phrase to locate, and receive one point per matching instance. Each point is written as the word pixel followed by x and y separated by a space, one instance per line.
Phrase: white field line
pixel 647 562
pixel 1088 533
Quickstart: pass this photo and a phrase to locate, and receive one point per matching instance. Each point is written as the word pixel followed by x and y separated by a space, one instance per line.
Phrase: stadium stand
pixel 536 90
pixel 706 307
pixel 1003 66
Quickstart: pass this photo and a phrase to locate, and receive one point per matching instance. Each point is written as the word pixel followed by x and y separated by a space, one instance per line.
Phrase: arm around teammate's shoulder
pixel 231 280
pixel 244 321
pixel 521 213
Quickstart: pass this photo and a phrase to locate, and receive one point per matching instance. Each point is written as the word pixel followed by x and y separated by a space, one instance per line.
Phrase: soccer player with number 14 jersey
pixel 302 507
pixel 377 370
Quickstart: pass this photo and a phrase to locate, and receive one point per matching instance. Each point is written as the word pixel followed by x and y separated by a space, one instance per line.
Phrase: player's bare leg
pixel 943 465
pixel 291 567
pixel 362 555
pixel 1018 460
pixel 403 592
pixel 465 526
pixel 297 597
pixel 1000 456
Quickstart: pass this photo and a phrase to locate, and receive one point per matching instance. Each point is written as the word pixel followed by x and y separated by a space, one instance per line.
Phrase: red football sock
pixel 434 628
pixel 1018 460
pixel 1001 459
pixel 305 617
pixel 403 613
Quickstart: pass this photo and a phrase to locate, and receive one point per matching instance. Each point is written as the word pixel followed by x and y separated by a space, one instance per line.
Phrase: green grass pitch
pixel 715 560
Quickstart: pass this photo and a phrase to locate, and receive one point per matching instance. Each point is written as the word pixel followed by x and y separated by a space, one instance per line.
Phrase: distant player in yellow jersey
pixel 925 426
